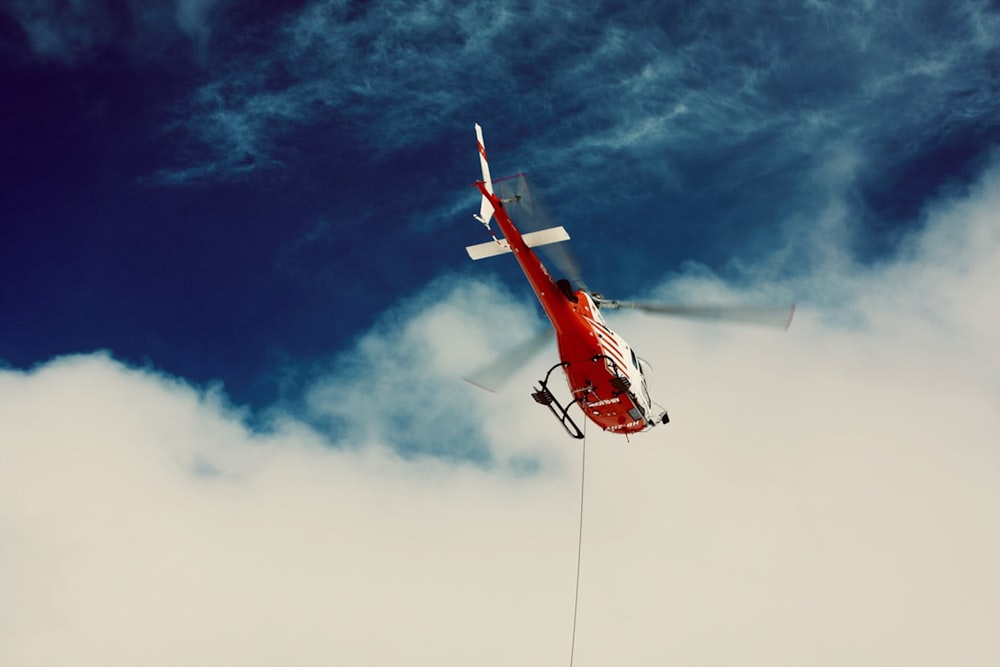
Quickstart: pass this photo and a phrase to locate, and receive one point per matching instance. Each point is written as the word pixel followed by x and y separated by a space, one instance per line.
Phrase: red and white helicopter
pixel 606 378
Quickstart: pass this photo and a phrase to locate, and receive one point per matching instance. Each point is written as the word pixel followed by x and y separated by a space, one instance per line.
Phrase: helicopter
pixel 606 379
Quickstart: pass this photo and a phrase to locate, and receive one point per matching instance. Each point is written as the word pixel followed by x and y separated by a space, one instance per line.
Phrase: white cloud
pixel 143 525
pixel 827 496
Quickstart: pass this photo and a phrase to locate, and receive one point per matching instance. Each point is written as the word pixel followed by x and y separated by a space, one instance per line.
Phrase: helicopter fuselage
pixel 604 375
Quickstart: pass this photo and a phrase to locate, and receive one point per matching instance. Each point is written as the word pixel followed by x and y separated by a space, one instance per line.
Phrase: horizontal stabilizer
pixel 531 239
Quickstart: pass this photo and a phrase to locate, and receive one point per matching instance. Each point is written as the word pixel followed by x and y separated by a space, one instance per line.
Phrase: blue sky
pixel 236 310
pixel 232 195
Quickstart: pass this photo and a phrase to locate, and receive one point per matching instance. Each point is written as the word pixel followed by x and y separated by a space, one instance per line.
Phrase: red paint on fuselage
pixel 581 337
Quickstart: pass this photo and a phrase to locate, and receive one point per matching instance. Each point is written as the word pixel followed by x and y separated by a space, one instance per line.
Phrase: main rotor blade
pixel 770 316
pixel 494 375
pixel 566 263
pixel 530 213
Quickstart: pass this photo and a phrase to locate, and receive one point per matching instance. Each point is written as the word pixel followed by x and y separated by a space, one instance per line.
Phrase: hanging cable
pixel 579 541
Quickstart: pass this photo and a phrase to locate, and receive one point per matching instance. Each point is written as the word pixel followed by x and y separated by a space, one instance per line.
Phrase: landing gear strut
pixel 544 396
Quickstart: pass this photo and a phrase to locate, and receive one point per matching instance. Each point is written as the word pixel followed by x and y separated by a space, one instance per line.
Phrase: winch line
pixel 579 542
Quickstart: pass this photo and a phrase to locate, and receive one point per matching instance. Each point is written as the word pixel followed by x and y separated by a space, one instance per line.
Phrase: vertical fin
pixel 486 208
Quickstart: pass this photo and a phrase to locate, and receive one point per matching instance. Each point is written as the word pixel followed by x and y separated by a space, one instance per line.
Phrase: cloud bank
pixel 828 496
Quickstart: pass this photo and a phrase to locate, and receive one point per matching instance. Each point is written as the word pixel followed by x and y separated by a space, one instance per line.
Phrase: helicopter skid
pixel 544 396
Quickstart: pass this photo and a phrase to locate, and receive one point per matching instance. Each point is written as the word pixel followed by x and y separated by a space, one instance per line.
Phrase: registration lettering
pixel 620 427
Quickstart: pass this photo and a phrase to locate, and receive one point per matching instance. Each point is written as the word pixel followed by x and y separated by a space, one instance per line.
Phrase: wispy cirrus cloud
pixel 70 33
pixel 63 32
pixel 649 87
